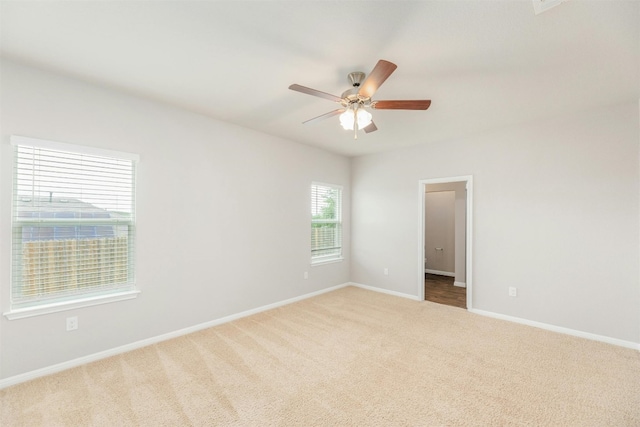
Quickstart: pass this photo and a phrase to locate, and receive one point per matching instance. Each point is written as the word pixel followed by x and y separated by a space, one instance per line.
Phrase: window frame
pixel 94 295
pixel 334 257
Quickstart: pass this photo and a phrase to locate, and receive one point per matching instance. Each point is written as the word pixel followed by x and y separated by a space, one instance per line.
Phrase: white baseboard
pixel 385 291
pixel 548 327
pixel 460 284
pixel 27 376
pixel 560 329
pixel 440 273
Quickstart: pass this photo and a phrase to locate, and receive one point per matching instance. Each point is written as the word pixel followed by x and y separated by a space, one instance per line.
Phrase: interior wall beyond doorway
pixel 439 236
pixel 456 249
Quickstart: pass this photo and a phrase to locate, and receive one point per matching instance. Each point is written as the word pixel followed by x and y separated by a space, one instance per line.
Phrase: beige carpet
pixel 347 358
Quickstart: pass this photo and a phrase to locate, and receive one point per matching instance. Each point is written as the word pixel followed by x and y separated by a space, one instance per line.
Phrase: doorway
pixel 446 240
pixel 441 289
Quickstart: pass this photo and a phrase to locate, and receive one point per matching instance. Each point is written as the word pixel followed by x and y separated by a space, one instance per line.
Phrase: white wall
pixel 223 215
pixel 461 234
pixel 555 215
pixel 440 230
pixel 460 226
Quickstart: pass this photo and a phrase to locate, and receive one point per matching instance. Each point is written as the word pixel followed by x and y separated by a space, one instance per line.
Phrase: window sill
pixel 326 261
pixel 21 313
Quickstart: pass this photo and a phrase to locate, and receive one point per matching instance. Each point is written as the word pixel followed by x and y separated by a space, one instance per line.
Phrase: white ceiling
pixel 484 64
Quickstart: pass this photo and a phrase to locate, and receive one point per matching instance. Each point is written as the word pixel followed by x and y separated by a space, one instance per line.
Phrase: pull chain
pixel 355 122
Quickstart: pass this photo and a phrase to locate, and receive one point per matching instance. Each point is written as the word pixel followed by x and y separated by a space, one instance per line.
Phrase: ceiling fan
pixel 355 101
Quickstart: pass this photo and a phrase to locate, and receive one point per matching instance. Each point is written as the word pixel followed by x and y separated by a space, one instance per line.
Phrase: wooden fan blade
pixel 378 75
pixel 417 104
pixel 314 92
pixel 326 115
pixel 371 127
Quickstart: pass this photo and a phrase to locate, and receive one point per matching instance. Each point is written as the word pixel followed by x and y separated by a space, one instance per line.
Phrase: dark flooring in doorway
pixel 440 289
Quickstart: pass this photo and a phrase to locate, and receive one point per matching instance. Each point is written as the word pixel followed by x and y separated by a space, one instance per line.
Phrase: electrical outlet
pixel 72 323
pixel 386 271
pixel 513 292
pixel 306 275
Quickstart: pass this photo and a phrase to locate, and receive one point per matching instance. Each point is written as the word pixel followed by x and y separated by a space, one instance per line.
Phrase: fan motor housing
pixel 356 78
pixel 351 95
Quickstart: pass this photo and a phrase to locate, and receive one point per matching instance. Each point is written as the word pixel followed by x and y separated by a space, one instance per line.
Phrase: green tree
pixel 328 210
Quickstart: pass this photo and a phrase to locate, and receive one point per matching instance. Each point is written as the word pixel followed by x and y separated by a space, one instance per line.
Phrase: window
pixel 73 224
pixel 326 223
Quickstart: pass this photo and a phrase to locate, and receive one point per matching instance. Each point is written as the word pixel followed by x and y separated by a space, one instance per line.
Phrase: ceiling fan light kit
pixel 359 117
pixel 355 101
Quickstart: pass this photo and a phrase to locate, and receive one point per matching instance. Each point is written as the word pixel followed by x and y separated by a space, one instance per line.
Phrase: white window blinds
pixel 326 222
pixel 73 222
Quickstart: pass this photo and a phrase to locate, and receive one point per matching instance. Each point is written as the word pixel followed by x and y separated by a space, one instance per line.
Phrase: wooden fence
pixel 60 266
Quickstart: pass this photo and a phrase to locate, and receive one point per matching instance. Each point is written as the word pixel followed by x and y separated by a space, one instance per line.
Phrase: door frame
pixel 468 180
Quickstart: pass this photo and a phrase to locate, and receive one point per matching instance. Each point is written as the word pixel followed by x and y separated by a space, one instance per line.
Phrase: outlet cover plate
pixel 72 323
